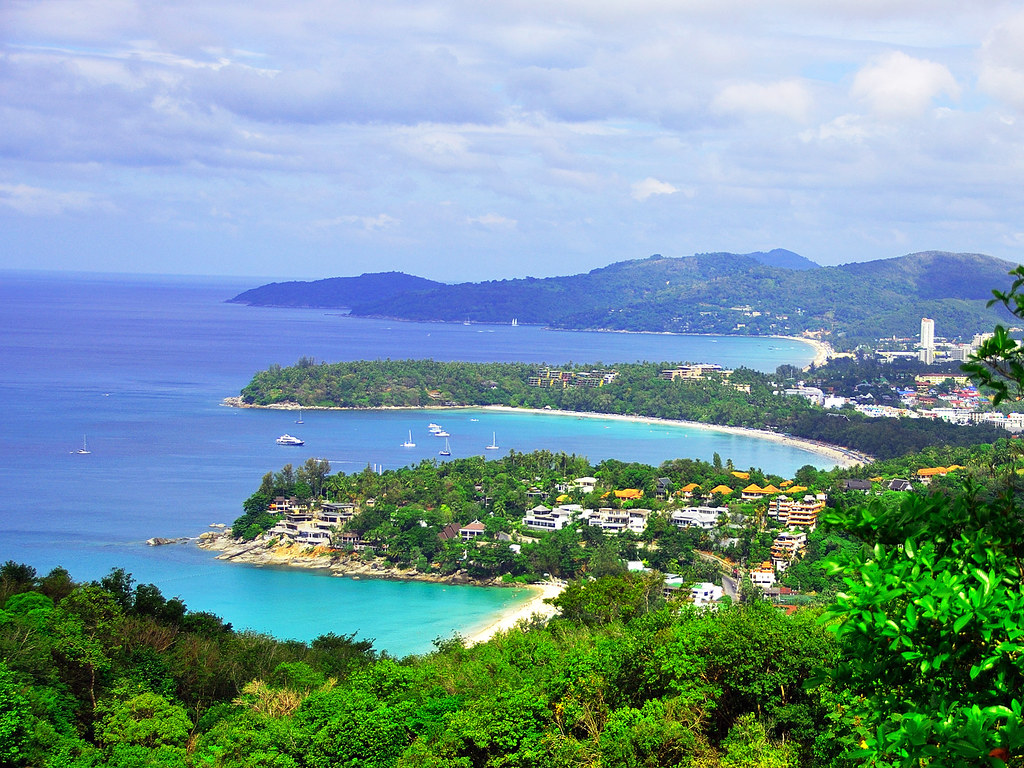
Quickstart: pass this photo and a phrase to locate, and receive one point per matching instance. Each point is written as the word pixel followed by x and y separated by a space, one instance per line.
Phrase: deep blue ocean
pixel 138 367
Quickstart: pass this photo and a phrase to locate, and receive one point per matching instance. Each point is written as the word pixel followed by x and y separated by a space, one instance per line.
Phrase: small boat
pixel 409 443
pixel 85 447
pixel 446 451
pixel 433 427
pixel 299 420
pixel 515 321
pixel 494 444
pixel 287 439
pixel 441 433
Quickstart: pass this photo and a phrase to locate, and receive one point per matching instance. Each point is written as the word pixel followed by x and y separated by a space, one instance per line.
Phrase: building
pixel 927 333
pixel 795 513
pixel 786 548
pixel 618 520
pixel 472 530
pixel 694 372
pixel 541 518
pixel 698 517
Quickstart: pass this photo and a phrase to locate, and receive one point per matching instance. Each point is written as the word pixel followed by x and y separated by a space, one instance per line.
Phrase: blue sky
pixel 462 140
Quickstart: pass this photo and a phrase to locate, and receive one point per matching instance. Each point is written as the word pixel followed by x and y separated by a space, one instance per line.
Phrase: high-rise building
pixel 927 333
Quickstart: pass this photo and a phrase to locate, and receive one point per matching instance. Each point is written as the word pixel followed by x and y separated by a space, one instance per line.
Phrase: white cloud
pixel 369 223
pixel 898 85
pixel 788 98
pixel 35 201
pixel 650 186
pixel 1002 67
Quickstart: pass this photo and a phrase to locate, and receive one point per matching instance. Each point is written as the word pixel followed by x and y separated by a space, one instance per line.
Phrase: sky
pixel 467 140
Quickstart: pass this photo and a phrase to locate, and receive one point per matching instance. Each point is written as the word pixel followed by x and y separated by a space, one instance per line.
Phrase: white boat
pixel 515 321
pixel 409 443
pixel 299 420
pixel 446 451
pixel 287 439
pixel 85 447
pixel 494 444
pixel 441 433
pixel 433 427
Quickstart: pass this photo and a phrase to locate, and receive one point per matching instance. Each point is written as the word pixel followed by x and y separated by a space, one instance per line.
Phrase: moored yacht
pixel 287 439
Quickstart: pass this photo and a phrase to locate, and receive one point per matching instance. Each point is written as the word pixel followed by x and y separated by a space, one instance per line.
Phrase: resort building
pixel 472 530
pixel 786 548
pixel 698 517
pixel 542 518
pixel 693 372
pixel 802 513
pixel 618 520
pixel 763 576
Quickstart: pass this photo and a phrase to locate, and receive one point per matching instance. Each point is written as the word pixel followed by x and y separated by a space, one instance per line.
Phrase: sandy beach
pixel 823 351
pixel 842 456
pixel 510 618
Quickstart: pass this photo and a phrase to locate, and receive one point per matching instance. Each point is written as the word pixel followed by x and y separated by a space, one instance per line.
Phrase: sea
pixel 136 368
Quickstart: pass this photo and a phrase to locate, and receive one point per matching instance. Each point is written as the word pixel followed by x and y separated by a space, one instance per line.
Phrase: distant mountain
pixel 704 293
pixel 783 259
pixel 338 292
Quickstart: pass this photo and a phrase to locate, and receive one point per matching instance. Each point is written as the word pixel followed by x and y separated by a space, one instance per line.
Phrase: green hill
pixel 705 293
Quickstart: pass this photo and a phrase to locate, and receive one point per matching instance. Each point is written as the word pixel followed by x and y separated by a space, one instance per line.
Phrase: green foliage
pixel 15 720
pixel 999 362
pixel 702 293
pixel 638 389
pixel 932 622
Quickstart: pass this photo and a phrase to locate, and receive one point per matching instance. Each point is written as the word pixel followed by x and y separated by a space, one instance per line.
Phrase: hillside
pixel 334 292
pixel 724 293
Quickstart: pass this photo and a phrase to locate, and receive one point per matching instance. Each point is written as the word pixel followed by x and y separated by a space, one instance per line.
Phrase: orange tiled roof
pixel 741 475
pixel 796 489
pixel 753 488
pixel 784 483
pixel 629 493
pixel 723 489
pixel 689 487
pixel 770 489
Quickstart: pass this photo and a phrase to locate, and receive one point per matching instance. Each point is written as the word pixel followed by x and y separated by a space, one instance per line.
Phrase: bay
pixel 139 367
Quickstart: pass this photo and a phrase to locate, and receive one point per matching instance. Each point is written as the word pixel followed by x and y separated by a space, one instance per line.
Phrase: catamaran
pixel 494 444
pixel 446 451
pixel 85 447
pixel 299 420
pixel 409 443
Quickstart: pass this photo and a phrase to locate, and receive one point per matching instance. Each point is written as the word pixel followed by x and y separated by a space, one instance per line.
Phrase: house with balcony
pixel 704 518
pixel 786 548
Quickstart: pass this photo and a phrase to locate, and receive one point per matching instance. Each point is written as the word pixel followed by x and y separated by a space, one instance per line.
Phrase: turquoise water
pixel 140 366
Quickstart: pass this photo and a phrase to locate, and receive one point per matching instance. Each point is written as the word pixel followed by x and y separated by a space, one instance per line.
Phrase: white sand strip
pixel 525 611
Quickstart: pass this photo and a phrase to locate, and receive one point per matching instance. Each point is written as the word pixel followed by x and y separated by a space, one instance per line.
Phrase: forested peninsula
pixel 628 674
pixel 758 294
pixel 743 398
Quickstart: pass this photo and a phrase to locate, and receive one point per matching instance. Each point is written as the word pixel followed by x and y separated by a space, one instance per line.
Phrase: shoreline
pixel 344 565
pixel 510 617
pixel 844 456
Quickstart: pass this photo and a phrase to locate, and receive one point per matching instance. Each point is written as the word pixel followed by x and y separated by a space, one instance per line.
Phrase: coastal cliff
pixel 264 552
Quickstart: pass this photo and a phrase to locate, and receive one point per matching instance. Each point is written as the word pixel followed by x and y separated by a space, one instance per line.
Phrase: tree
pixel 999 362
pixel 14 720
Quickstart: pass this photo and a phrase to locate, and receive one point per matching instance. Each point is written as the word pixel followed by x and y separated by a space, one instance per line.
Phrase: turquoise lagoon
pixel 140 366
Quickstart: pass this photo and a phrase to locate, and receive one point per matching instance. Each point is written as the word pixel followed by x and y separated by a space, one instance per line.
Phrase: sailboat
pixel 446 451
pixel 409 443
pixel 85 447
pixel 299 420
pixel 494 444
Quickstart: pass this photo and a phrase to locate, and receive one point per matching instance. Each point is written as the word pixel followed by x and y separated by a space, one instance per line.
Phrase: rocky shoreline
pixel 348 564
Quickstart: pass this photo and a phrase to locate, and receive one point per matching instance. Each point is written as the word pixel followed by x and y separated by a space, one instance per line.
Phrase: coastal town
pixel 708 539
